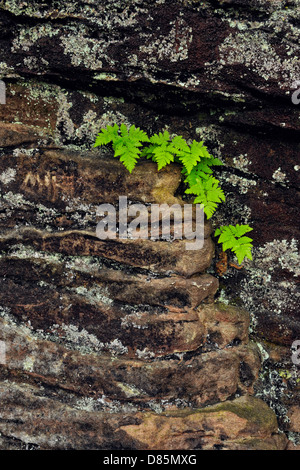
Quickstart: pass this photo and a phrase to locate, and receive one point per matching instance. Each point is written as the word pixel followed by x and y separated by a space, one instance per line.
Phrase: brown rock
pixel 294 419
pixel 165 324
pixel 59 176
pixel 92 320
pixel 224 324
pixel 202 379
pixel 250 425
pixel 47 270
pixel 31 420
pixel 19 134
pixel 31 110
pixel 159 257
pixel 213 74
pixel 292 446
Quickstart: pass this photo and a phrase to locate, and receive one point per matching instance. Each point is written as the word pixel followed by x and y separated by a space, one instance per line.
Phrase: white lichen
pixel 279 176
pixel 8 176
pixel 260 290
pixel 94 295
pixel 253 49
pixel 173 47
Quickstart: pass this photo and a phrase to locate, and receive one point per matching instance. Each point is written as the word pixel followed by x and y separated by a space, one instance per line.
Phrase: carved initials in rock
pixel 52 186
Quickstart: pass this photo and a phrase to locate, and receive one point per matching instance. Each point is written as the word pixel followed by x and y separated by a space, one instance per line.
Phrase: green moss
pixel 252 409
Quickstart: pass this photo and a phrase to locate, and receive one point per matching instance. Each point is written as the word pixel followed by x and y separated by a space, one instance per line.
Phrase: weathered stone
pixel 250 425
pixel 162 257
pixel 201 379
pixel 149 317
pixel 31 110
pixel 29 420
pixel 43 269
pixel 224 324
pixel 18 134
pixel 71 189
pixel 225 72
pixel 157 316
pixel 60 176
pixel 294 419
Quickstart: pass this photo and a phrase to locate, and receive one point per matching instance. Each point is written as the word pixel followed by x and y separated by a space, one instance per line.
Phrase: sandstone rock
pixel 150 317
pixel 224 324
pixel 292 446
pixel 62 177
pixel 29 420
pixel 224 72
pixel 202 379
pixel 118 282
pixel 250 425
pixel 294 419
pixel 18 134
pixel 161 257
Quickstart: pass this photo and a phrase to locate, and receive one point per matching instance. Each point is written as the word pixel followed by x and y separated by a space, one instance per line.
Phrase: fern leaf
pixel 240 230
pixel 138 135
pixel 160 138
pixel 162 156
pixel 232 237
pixel 179 143
pixel 190 156
pixel 243 251
pixel 201 171
pixel 107 135
pixel 208 193
pixel 209 207
pixel 129 160
pixel 162 150
pixel 125 143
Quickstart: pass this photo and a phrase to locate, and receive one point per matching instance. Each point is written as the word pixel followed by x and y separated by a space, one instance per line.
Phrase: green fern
pixel 196 166
pixel 202 184
pixel 126 143
pixel 161 150
pixel 190 156
pixel 232 237
pixel 197 173
pixel 164 150
pixel 202 171
pixel 208 193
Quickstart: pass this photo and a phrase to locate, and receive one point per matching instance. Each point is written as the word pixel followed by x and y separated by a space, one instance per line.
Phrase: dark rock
pixel 221 71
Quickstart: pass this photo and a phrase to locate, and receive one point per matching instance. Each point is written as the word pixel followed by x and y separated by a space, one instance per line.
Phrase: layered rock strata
pixel 225 72
pixel 119 331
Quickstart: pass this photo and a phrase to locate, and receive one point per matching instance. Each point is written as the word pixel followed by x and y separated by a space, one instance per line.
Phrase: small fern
pixel 197 173
pixel 208 193
pixel 125 143
pixel 232 237
pixel 162 150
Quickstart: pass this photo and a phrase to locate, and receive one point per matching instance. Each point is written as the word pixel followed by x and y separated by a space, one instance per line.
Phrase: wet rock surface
pixel 136 318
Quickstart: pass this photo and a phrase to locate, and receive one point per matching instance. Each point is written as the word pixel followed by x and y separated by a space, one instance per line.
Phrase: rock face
pixel 141 343
pixel 118 331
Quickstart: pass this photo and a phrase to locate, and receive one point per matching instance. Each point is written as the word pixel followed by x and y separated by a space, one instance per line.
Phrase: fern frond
pixel 107 135
pixel 201 171
pixel 208 193
pixel 126 143
pixel 162 156
pixel 163 150
pixel 231 237
pixel 190 156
